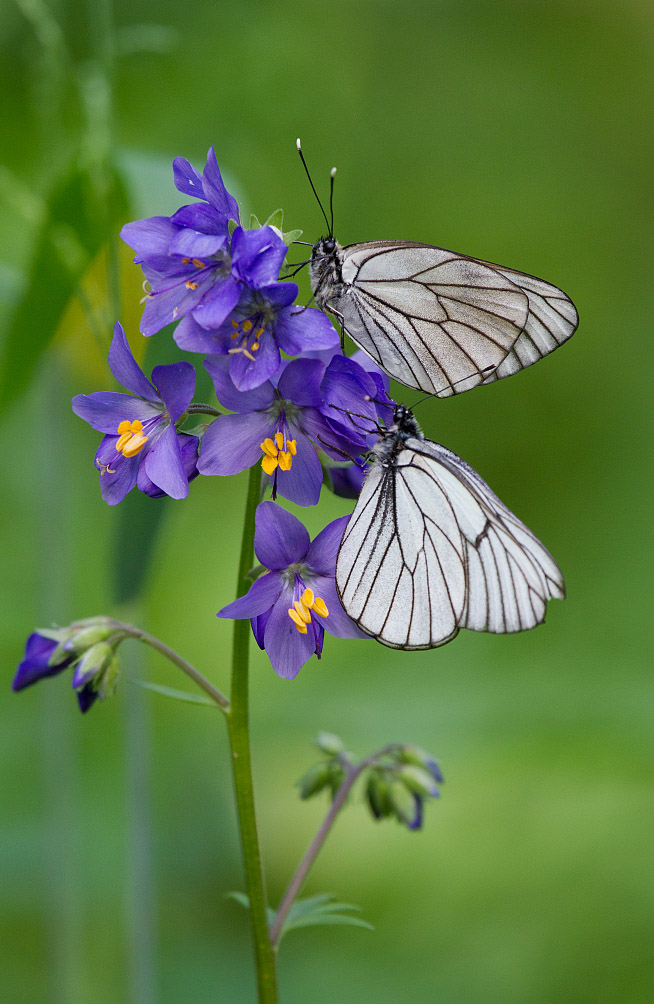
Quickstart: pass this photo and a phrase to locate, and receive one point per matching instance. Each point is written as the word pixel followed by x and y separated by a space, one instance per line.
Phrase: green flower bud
pixel 378 794
pixel 417 780
pixel 93 664
pixel 329 743
pixel 315 779
pixel 404 802
pixel 109 678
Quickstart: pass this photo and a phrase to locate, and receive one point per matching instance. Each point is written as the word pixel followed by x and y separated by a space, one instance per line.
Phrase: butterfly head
pixel 405 425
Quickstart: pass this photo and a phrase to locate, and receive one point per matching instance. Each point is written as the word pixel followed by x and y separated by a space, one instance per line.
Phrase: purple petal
pixel 218 303
pixel 279 294
pixel 176 385
pixel 121 476
pixel 257 255
pixel 261 596
pixel 168 305
pixel 233 442
pixel 337 622
pixel 192 337
pixel 346 482
pixel 300 382
pixel 105 410
pixel 279 537
pixel 86 698
pixel 188 446
pixel 287 649
pixel 34 665
pixel 149 237
pixel 191 244
pixel 331 437
pixel 348 391
pixel 126 370
pixel 304 330
pixel 187 179
pixel 253 400
pixel 258 625
pixel 247 374
pixel 321 556
pixel 202 218
pixel 214 188
pixel 163 465
pixel 303 482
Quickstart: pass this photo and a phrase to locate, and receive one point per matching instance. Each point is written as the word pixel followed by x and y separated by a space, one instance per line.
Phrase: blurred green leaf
pixel 177 695
pixel 136 529
pixel 313 911
pixel 82 212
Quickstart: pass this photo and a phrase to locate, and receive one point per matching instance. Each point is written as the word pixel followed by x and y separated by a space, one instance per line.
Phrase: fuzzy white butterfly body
pixel 438 321
pixel 430 549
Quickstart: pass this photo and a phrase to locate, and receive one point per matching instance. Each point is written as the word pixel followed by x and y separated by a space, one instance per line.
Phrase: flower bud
pixel 406 805
pixel 378 795
pixel 420 758
pixel 329 743
pixel 93 664
pixel 109 679
pixel 420 782
pixel 315 779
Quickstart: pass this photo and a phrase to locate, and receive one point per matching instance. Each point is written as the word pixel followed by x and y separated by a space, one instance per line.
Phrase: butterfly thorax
pixel 326 269
pixel 392 440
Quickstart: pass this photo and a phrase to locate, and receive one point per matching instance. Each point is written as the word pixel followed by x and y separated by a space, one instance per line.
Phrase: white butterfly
pixel 438 321
pixel 431 549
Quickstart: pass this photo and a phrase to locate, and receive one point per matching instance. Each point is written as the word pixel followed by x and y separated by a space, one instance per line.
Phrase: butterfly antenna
pixel 304 164
pixel 376 427
pixel 332 175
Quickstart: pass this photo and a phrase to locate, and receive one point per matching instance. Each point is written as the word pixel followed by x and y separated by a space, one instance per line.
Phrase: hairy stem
pixel 239 737
pixel 353 771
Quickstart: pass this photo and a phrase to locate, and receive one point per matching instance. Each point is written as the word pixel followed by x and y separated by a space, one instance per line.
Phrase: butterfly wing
pixel 431 549
pixel 441 322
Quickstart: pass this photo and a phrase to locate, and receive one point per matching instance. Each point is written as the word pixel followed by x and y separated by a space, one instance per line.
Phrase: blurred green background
pixel 512 131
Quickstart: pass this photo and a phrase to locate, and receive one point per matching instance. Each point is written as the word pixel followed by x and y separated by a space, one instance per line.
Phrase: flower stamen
pixel 300 612
pixel 279 452
pixel 131 439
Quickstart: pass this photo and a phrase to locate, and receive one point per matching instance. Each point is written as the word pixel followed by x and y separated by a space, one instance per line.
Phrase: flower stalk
pixel 239 738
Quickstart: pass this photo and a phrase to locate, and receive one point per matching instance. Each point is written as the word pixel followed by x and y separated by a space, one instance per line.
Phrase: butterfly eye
pixel 328 245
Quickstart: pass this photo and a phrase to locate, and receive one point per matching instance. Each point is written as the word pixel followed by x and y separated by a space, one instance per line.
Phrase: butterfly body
pixel 430 549
pixel 435 320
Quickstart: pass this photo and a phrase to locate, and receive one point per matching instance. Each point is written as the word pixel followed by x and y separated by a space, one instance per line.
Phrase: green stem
pixel 239 739
pixel 353 771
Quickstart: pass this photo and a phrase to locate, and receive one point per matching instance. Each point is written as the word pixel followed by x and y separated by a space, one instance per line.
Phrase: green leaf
pixel 81 215
pixel 313 911
pixel 292 235
pixel 254 222
pixel 275 219
pixel 179 695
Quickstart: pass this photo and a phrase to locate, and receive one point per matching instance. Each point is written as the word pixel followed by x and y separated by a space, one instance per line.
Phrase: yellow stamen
pixel 269 447
pixel 191 285
pixel 235 334
pixel 135 445
pixel 279 439
pixel 247 326
pixel 269 464
pixel 285 460
pixel 198 263
pixel 302 611
pixel 123 441
pixel 258 333
pixel 125 426
pixel 320 607
pixel 235 324
pixel 248 355
pixel 297 620
pixel 307 597
pixel 292 446
pixel 254 346
pixel 185 261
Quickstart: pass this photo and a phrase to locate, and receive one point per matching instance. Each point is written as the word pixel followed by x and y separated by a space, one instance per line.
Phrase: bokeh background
pixel 516 132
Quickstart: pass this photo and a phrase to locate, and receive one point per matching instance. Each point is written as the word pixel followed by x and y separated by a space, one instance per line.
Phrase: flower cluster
pixel 288 402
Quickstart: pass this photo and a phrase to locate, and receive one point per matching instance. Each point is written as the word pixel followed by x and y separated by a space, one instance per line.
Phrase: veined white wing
pixel 430 549
pixel 438 321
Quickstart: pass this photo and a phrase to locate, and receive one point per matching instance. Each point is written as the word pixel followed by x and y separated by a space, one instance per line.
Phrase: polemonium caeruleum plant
pixel 294 411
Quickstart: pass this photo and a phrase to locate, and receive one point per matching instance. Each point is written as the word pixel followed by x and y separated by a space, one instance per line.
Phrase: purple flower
pixel 141 445
pixel 295 601
pixel 263 323
pixel 282 426
pixel 84 646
